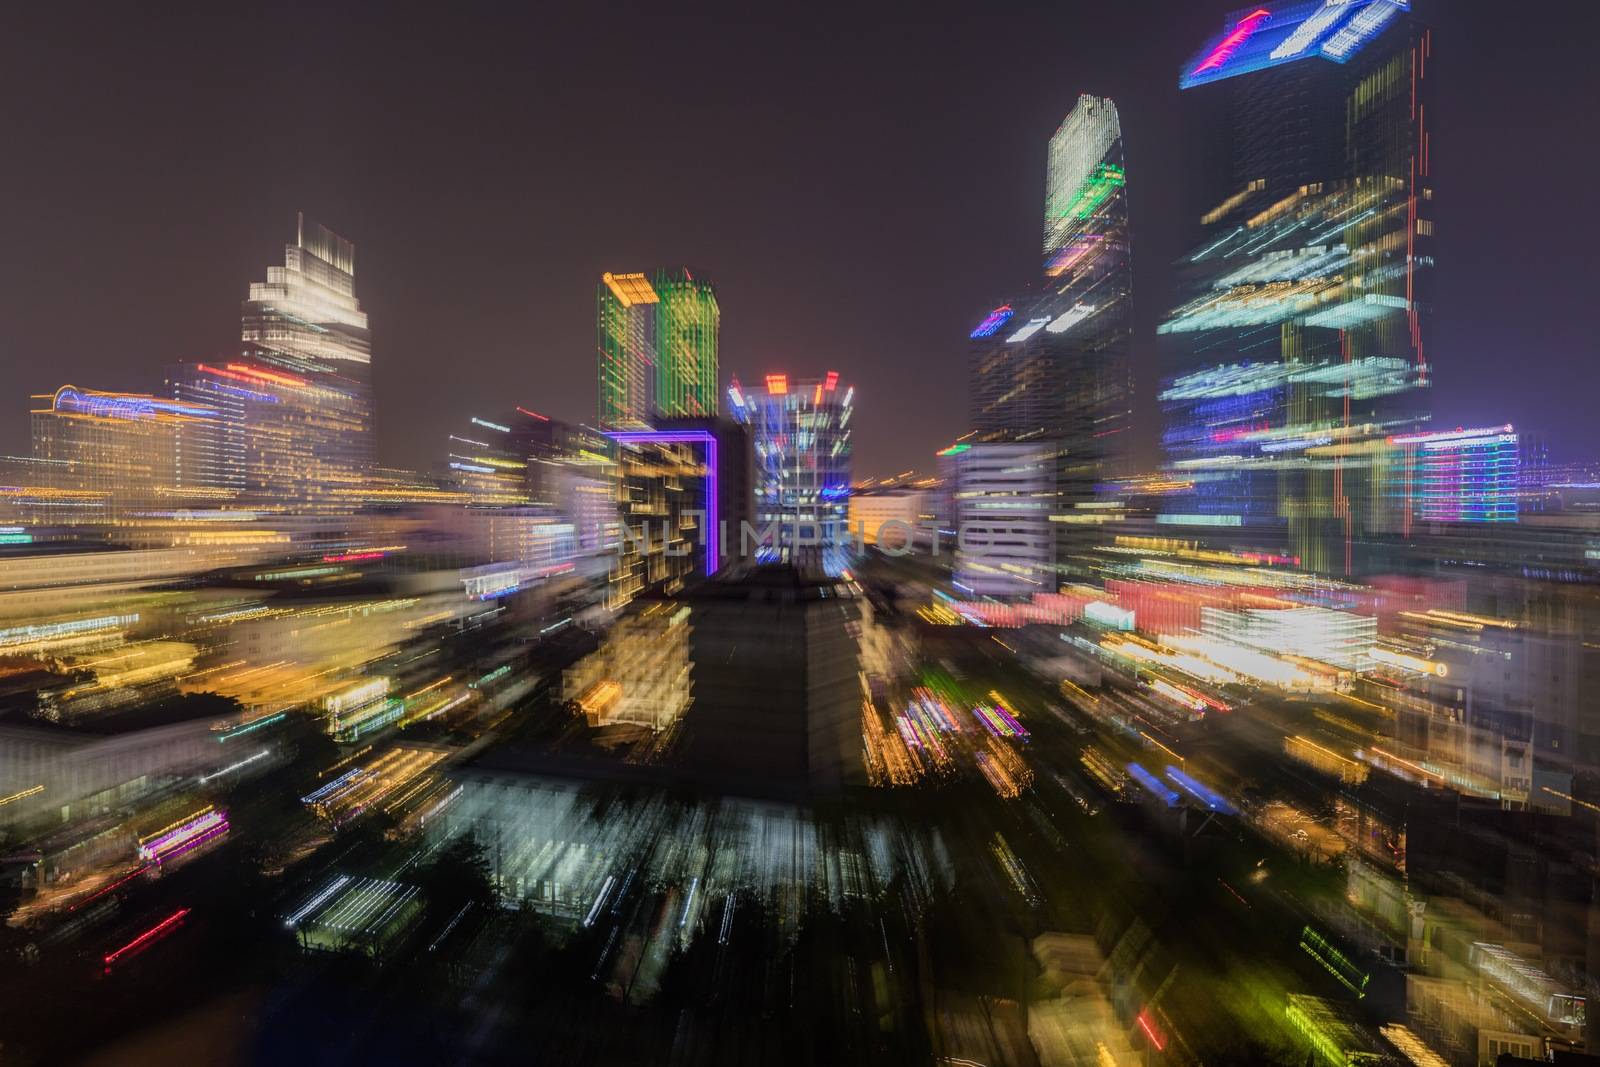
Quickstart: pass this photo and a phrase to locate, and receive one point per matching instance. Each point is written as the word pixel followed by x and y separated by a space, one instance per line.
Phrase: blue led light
pixel 123 405
pixel 1153 784
pixel 993 321
pixel 1271 35
pixel 1209 797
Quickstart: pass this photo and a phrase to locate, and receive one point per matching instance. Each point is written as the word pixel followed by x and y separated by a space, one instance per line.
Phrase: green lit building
pixel 657 338
pixel 1050 368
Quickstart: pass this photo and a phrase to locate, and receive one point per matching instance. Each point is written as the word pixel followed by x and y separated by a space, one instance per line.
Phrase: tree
pixel 458 875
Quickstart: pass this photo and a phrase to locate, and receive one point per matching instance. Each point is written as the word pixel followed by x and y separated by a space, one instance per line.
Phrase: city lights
pixel 968 657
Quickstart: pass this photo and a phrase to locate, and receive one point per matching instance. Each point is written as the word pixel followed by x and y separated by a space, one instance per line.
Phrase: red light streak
pixel 533 414
pixel 1230 44
pixel 267 376
pixel 145 938
pixel 239 373
pixel 1144 1024
pixel 352 557
pixel 103 890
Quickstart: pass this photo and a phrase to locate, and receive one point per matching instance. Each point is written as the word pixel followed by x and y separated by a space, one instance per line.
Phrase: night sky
pixel 861 183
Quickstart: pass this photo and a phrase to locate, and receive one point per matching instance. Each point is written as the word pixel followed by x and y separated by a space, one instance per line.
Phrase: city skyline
pixel 512 275
pixel 630 537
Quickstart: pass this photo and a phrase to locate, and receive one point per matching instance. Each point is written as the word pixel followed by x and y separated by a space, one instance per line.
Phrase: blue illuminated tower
pixel 800 430
pixel 1298 343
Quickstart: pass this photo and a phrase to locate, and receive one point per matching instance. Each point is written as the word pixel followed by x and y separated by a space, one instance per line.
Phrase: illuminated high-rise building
pixel 1299 339
pixel 666 489
pixel 657 347
pixel 1054 365
pixel 485 461
pixel 571 472
pixel 683 491
pixel 541 495
pixel 801 436
pixel 122 446
pixel 295 424
pixel 1459 475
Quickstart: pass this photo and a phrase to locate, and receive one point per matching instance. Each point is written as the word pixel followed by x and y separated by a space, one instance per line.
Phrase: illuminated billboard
pixel 1270 35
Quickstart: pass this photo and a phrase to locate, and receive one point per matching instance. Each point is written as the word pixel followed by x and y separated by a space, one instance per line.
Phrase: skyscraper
pixel 801 435
pixel 295 425
pixel 667 495
pixel 682 491
pixel 657 347
pixel 1299 339
pixel 1054 365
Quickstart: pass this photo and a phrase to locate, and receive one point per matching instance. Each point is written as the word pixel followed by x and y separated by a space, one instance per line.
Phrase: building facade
pixel 121 447
pixel 294 422
pixel 657 347
pixel 683 492
pixel 1053 365
pixel 1299 340
pixel 1005 493
pixel 639 676
pixel 800 432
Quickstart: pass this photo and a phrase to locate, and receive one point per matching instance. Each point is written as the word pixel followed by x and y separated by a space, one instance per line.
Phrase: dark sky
pixel 862 183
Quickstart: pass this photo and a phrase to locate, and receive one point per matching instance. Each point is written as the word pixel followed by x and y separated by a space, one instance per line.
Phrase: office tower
pixel 122 446
pixel 295 413
pixel 683 494
pixel 666 508
pixel 1460 475
pixel 801 436
pixel 1054 365
pixel 484 459
pixel 657 347
pixel 1300 337
pixel 1005 492
pixel 571 471
pixel 541 496
pixel 209 456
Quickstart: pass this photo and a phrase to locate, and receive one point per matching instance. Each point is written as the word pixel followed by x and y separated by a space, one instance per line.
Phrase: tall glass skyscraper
pixel 800 430
pixel 657 347
pixel 1053 365
pixel 1299 342
pixel 295 408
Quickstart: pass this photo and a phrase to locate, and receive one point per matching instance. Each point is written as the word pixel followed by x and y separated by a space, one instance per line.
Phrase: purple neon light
pixel 1010 720
pixel 194 842
pixel 688 437
pixel 992 322
pixel 180 840
pixel 908 732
